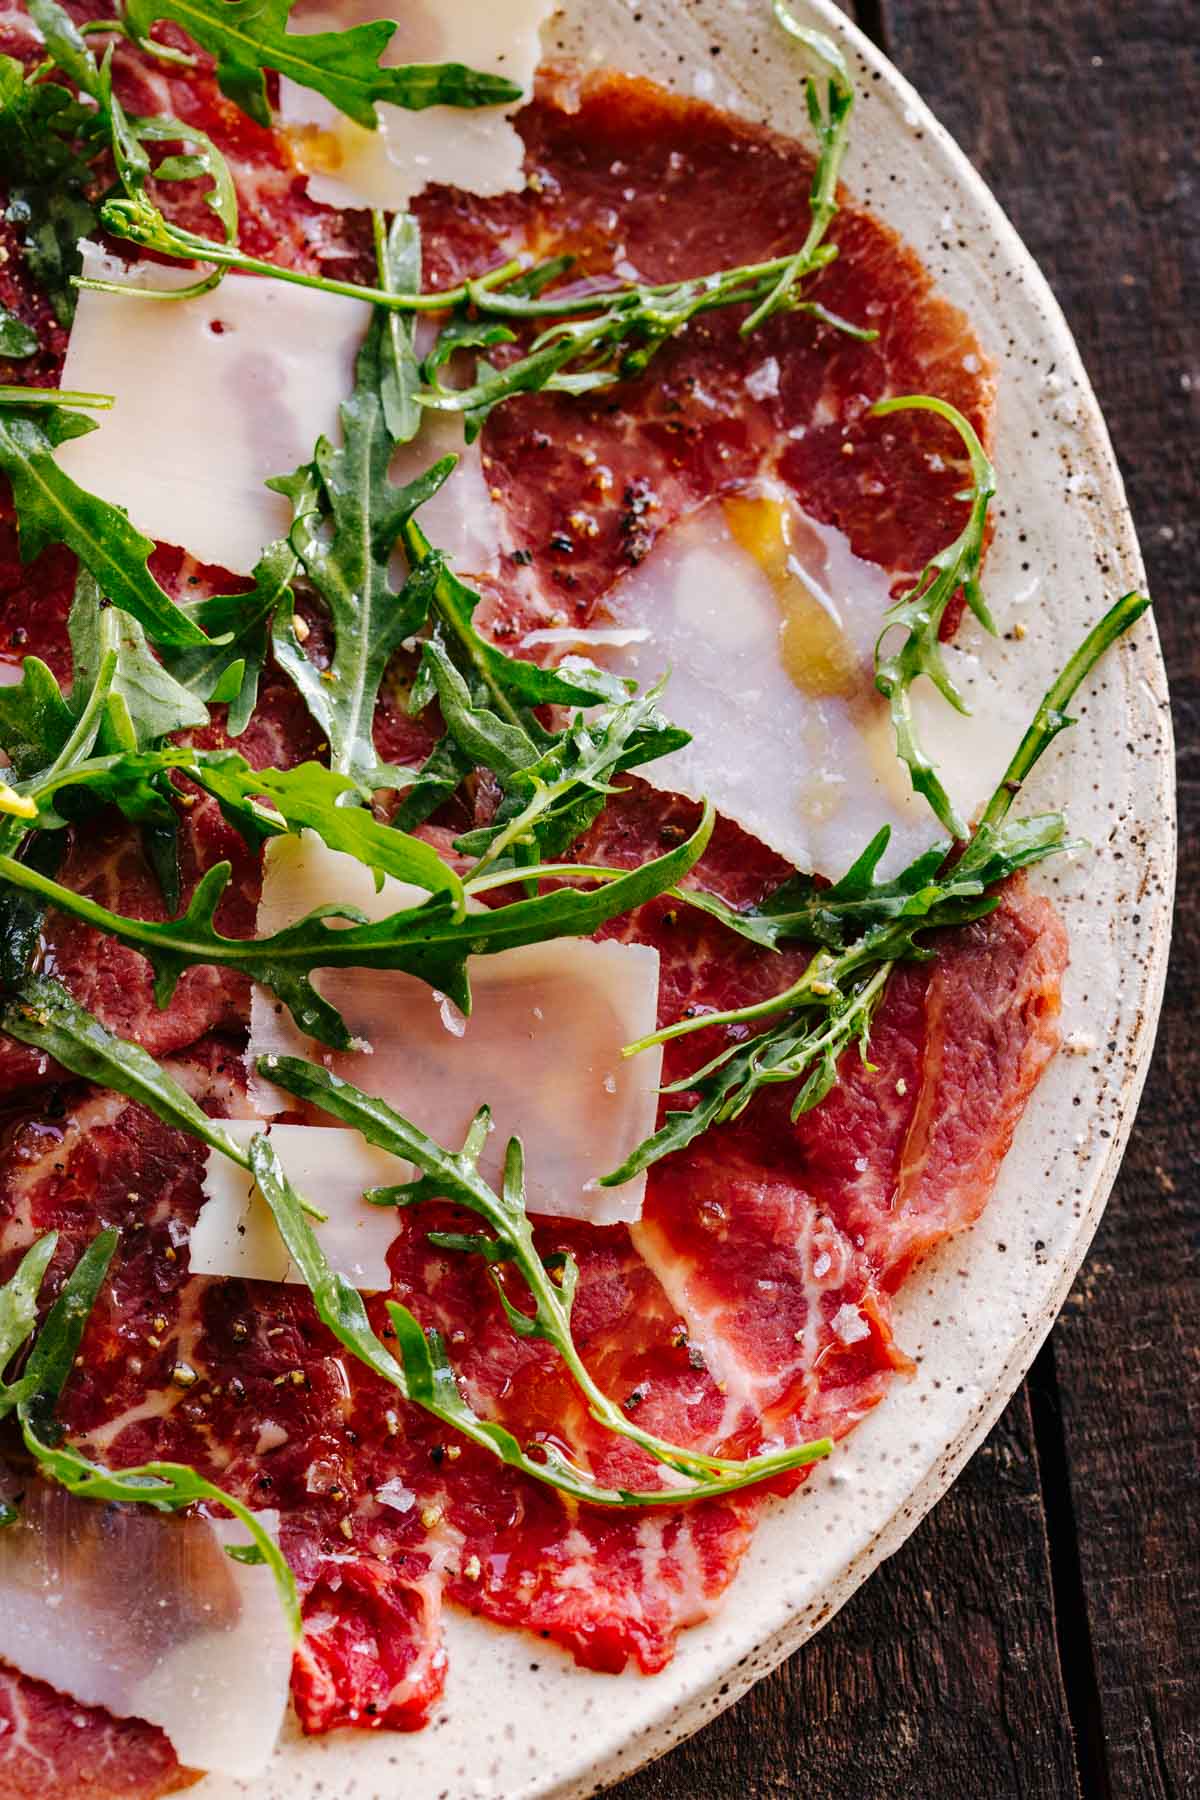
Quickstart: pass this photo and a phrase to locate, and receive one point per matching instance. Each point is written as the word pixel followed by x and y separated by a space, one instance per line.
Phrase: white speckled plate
pixel 520 1720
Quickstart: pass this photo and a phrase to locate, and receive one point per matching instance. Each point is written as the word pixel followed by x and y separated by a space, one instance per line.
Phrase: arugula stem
pixel 189 246
pixel 1051 717
pixel 919 613
pixel 11 394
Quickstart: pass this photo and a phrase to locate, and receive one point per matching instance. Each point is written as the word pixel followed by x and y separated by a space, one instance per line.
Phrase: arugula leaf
pixel 21 914
pixel 512 684
pixel 804 910
pixel 431 941
pixel 832 1003
pixel 832 129
pixel 398 260
pixel 145 702
pixel 52 509
pixel 45 1015
pixel 423 1374
pixel 550 802
pixel 486 697
pixel 345 549
pixel 14 394
pixel 440 775
pixel 19 1309
pixel 312 797
pixel 34 1396
pixel 229 668
pixel 35 720
pixel 57 159
pixel 65 44
pixel 249 36
pixel 47 180
pixel 17 340
pixel 920 612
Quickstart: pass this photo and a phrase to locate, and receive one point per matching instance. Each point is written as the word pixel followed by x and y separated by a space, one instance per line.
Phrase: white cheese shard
pixel 767 623
pixel 129 1609
pixel 235 1234
pixel 474 148
pixel 542 1046
pixel 213 396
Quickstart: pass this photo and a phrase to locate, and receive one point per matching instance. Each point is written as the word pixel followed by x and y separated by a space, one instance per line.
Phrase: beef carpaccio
pixel 752 1303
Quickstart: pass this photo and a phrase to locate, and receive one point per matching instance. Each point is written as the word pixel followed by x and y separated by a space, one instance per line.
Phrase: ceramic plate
pixel 519 1720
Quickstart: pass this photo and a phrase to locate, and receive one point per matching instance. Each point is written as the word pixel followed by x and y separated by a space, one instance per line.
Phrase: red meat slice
pixel 52 1745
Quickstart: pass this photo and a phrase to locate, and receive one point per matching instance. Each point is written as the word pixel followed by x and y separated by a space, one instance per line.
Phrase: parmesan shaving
pixel 542 1046
pixel 144 1614
pixel 235 1234
pixel 255 372
pixel 760 613
pixel 476 149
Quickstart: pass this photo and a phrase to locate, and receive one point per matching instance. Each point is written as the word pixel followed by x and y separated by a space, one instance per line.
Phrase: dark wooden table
pixel 1038 1637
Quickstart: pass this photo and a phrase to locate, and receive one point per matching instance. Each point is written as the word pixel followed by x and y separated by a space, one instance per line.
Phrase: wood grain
pixel 1040 1633
pixel 939 1678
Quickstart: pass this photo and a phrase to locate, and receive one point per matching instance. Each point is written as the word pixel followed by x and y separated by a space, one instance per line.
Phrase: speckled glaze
pixel 520 1722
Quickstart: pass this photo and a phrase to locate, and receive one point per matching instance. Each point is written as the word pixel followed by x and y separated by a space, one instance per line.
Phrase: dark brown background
pixel 1039 1634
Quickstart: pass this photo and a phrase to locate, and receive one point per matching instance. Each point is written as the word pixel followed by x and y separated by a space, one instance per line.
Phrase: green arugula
pixel 432 942
pixel 920 612
pixel 247 37
pixel 487 699
pixel 45 737
pixel 145 702
pixel 348 517
pixel 831 124
pixel 398 261
pixel 549 802
pixel 12 394
pixel 455 1176
pixel 17 339
pixel 831 1005
pixel 121 700
pixel 228 670
pixel 34 1396
pixel 107 127
pixel 587 341
pixel 52 509
pixel 345 541
pixel 46 1016
pixel 510 685
pixel 47 178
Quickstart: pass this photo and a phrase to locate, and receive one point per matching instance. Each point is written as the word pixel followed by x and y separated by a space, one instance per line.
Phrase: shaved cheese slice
pixel 767 623
pixel 542 1046
pixel 235 1234
pixel 474 148
pixel 128 1609
pixel 213 397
